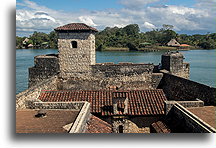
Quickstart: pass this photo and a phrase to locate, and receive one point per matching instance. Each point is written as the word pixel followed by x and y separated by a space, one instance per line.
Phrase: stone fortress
pixel 124 97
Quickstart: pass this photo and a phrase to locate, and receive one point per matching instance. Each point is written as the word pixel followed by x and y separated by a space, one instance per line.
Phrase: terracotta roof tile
pixel 76 27
pixel 141 102
pixel 96 125
pixel 160 127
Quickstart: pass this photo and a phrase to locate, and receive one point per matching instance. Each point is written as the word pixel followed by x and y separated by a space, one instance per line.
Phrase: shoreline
pixel 152 49
pixel 147 49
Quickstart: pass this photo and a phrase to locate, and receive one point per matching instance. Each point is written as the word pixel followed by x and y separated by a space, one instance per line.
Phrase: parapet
pixel 174 54
pixel 124 69
pixel 48 61
pixel 45 66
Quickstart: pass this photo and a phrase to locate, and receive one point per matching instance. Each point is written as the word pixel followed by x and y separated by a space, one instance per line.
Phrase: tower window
pixel 121 129
pixel 74 44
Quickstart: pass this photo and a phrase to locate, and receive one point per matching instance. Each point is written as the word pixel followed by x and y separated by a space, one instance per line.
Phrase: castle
pixel 122 98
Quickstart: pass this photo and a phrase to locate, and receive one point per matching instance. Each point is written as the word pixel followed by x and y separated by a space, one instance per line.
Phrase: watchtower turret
pixel 173 62
pixel 76 45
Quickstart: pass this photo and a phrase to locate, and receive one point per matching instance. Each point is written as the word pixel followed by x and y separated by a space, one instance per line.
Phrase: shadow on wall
pixel 180 89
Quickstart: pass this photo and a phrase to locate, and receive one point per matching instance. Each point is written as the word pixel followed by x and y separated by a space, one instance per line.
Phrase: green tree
pixel 208 44
pixel 39 38
pixel 53 40
pixel 19 41
pixel 132 29
pixel 167 27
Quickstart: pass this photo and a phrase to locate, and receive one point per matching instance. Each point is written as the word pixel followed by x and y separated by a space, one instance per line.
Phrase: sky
pixel 187 16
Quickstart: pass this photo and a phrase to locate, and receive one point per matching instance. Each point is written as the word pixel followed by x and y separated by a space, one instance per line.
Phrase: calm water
pixel 202 62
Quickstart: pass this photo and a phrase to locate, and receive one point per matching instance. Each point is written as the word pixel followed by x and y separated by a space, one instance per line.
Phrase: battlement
pixel 122 63
pixel 49 61
pixel 123 69
pixel 173 62
pixel 45 66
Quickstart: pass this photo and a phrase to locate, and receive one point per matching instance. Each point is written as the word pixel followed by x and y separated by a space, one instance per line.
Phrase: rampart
pixel 169 104
pixel 34 91
pixel 180 89
pixel 45 66
pixel 179 119
pixel 127 76
pixel 121 69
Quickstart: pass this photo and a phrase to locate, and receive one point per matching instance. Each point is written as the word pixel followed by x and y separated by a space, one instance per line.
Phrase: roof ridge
pixel 76 27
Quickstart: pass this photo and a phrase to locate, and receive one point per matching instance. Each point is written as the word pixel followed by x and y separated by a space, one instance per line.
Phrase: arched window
pixel 121 129
pixel 74 44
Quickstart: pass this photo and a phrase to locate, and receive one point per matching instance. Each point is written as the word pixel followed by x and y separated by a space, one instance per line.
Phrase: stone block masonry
pixel 173 63
pixel 76 53
pixel 33 92
pixel 179 119
pixel 169 104
pixel 180 89
pixel 125 76
pixel 45 66
pixel 121 69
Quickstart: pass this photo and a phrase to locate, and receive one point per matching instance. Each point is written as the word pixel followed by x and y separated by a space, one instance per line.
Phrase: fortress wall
pixel 179 119
pixel 169 104
pixel 180 89
pixel 121 69
pixel 156 79
pixel 186 71
pixel 96 83
pixel 34 91
pixel 125 76
pixel 45 66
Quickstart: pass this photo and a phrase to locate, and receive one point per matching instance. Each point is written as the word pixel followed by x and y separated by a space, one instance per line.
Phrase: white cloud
pixel 87 20
pixel 149 25
pixel 33 17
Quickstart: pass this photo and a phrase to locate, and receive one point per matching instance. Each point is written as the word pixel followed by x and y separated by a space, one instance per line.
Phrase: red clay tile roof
pixel 76 27
pixel 53 122
pixel 183 45
pixel 160 127
pixel 140 102
pixel 96 125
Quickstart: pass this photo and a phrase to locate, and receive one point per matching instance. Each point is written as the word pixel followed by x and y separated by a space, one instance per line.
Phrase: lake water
pixel 202 63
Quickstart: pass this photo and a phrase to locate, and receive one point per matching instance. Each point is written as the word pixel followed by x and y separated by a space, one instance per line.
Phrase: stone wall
pixel 180 89
pixel 132 124
pixel 79 126
pixel 169 104
pixel 73 60
pixel 186 71
pixel 121 69
pixel 35 104
pixel 173 62
pixel 45 66
pixel 179 119
pixel 145 121
pixel 156 79
pixel 125 76
pixel 34 91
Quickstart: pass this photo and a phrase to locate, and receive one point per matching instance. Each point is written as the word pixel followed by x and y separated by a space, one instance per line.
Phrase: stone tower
pixel 76 45
pixel 173 62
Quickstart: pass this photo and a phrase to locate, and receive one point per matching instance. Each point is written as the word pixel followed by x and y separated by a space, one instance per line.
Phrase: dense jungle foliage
pixel 126 37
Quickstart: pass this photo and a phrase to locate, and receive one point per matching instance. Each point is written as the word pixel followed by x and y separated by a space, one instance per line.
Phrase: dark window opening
pixel 121 129
pixel 74 44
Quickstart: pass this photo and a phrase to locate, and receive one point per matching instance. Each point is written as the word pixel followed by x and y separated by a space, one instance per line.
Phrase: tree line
pixel 131 37
pixel 126 37
pixel 38 40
